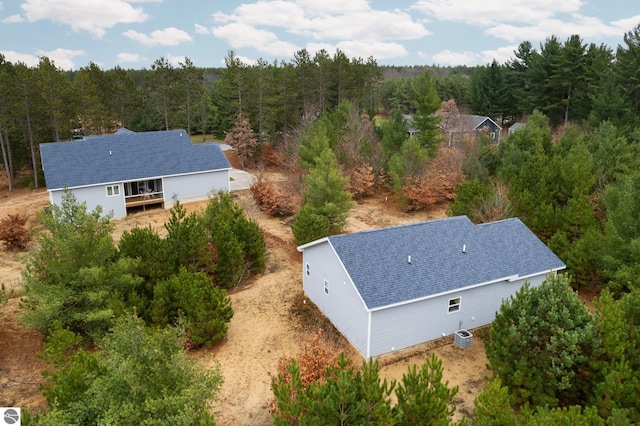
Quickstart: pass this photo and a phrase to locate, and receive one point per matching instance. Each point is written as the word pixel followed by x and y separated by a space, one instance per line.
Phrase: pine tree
pixel 542 340
pixel 326 191
pixel 427 103
pixel 423 397
pixel 138 375
pixel 189 297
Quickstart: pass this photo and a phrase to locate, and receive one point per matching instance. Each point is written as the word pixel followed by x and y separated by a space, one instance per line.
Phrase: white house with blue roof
pixel 129 170
pixel 392 288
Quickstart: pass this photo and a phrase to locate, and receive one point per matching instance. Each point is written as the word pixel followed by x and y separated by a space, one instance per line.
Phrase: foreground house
pixel 392 288
pixel 129 170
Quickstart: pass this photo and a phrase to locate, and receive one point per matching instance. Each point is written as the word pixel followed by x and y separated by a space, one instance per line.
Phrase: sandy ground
pixel 264 328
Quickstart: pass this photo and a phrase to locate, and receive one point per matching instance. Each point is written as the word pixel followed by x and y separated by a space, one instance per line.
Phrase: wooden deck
pixel 144 200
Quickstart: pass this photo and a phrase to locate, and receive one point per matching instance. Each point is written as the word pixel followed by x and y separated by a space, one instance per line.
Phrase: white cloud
pixel 350 23
pixel 584 26
pixel 501 55
pixel 447 57
pixel 488 12
pixel 625 25
pixel 18 57
pixel 243 60
pixel 525 19
pixel 123 58
pixel 379 50
pixel 62 58
pixel 94 17
pixel 13 19
pixel 174 60
pixel 168 37
pixel 240 35
pixel 201 29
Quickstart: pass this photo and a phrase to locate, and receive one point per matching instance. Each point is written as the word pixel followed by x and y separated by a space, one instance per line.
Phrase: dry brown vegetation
pixel 13 232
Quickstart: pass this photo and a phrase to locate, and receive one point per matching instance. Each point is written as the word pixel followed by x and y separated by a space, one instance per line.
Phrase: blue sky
pixel 134 33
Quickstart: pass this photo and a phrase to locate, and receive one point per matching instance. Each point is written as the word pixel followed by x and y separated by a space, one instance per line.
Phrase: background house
pixel 393 288
pixel 128 170
pixel 515 127
pixel 470 126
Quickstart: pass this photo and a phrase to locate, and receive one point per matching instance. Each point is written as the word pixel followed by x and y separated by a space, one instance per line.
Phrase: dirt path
pixel 262 330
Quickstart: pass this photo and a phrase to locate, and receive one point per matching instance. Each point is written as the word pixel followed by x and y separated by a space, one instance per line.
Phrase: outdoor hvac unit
pixel 462 338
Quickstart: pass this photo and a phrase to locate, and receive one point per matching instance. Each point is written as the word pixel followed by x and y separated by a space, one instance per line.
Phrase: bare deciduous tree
pixel 242 139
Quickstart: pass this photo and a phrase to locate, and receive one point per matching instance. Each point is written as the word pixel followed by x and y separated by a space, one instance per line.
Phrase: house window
pixel 454 304
pixel 113 190
pixel 326 287
pixel 308 270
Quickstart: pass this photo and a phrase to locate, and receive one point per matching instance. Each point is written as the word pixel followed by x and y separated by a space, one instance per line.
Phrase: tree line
pixel 567 81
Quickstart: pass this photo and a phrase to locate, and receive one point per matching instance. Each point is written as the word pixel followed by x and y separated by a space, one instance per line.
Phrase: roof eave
pixel 312 243
pixel 510 278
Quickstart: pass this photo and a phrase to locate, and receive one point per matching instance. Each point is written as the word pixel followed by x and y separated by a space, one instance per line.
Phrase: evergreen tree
pixel 488 91
pixel 187 240
pixel 621 258
pixel 394 133
pixel 124 97
pixel 571 77
pixel 542 341
pixel 326 191
pixel 309 226
pixel 89 87
pixel 161 85
pixel 427 103
pixel 138 375
pixel 627 68
pixel 423 397
pixel 236 242
pixel 204 309
pixel 408 163
pixel 618 377
pixel 349 395
pixel 72 277
pixel 191 82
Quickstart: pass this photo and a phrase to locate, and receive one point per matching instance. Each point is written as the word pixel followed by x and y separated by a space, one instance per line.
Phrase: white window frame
pixel 308 270
pixel 326 287
pixel 114 189
pixel 454 305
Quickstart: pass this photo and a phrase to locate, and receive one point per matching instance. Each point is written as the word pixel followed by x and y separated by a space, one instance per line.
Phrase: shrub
pixel 309 226
pixel 137 376
pixel 190 297
pixel 236 242
pixel 13 233
pixel 271 200
pixel 362 182
pixel 542 340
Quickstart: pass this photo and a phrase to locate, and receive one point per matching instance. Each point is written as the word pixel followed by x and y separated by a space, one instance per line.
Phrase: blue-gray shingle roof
pixel 377 260
pixel 125 156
